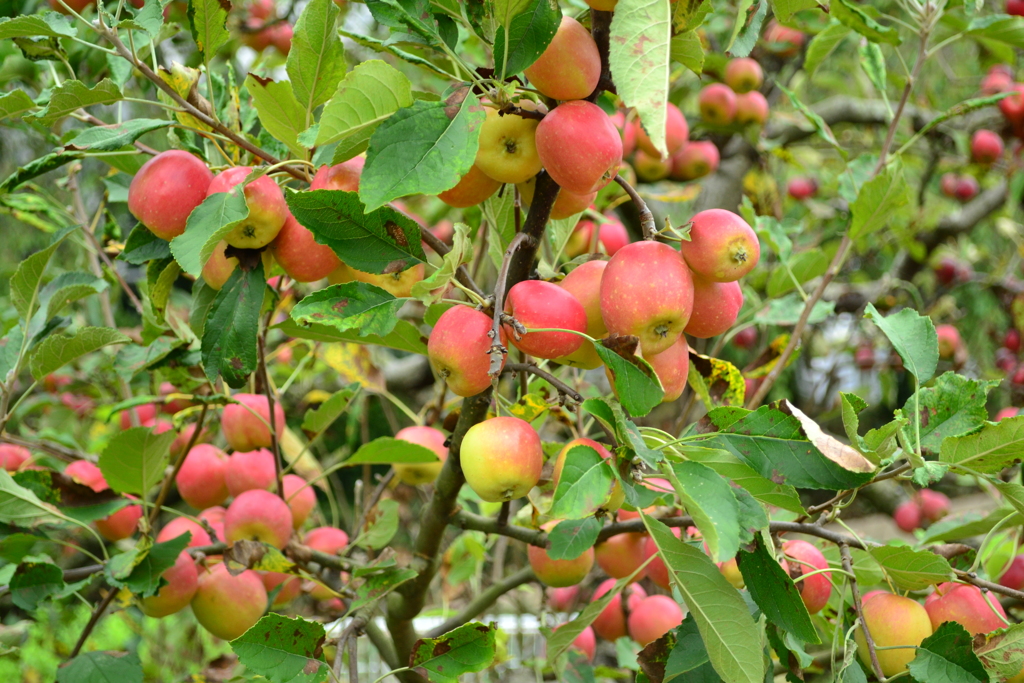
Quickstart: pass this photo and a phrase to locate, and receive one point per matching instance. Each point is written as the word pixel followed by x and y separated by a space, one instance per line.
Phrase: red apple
pixel 805 558
pixel 178 526
pixel 570 66
pixel 579 146
pixel 201 479
pixel 934 505
pixel 948 183
pixel 584 283
pixel 422 473
pixel 1015 8
pixel 87 474
pixel 654 617
pixel 751 108
pixel 13 457
pixel 1012 107
pixel 300 496
pixel 722 246
pixel 1006 413
pixel 801 188
pixel 1013 577
pixel 743 75
pixel 166 190
pixel 999 78
pixel 1011 341
pixel 142 414
pixel 651 169
pixel 783 40
pixel 228 606
pixel 986 147
pixel 290 584
pixel 327 540
pixel 611 236
pixel 246 431
pixel 562 599
pixel 949 341
pixel 281 37
pixel 559 573
pixel 695 160
pixel 585 642
pixel 300 255
pixel 267 208
pixel 967 188
pixel 343 176
pixel 893 622
pixel 715 307
pixel 182 582
pixel 250 470
pixel 745 338
pixel 677 133
pixel 966 606
pixel 214 518
pixel 258 515
pixel 472 189
pixel 536 304
pixel 621 555
pixel 672 366
pixel 121 524
pixel 458 349
pixel 610 624
pixel 502 458
pixel 717 103
pixel 864 356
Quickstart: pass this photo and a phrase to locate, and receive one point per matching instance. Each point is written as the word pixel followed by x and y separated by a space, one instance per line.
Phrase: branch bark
pixel 558 384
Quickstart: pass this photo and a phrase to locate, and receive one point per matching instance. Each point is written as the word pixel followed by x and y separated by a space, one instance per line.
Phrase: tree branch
pixel 844 552
pixel 558 384
pixel 461 274
pixel 97 613
pixel 165 488
pixel 646 217
pixel 484 600
pixel 468 521
pixel 498 350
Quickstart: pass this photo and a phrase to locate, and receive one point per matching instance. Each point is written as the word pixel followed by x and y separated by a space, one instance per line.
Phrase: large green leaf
pixel 912 569
pixel 280 113
pixel 729 632
pixel 642 75
pixel 572 537
pixel 773 590
pixel 316 60
pixel 386 450
pixel 368 95
pixel 824 44
pixel 232 327
pixel 708 498
pixel 351 306
pixel 584 485
pixel 687 49
pixel 529 34
pixel 996 446
pixel 58 350
pixel 73 95
pixel 636 384
pixel 46 25
pixel 998 27
pixel 135 459
pixel 422 149
pixel 729 466
pixel 283 650
pixel 953 406
pixel 22 507
pixel 469 648
pixel 862 22
pixel 15 103
pixel 208 19
pixel 208 223
pixel 879 201
pixel 948 655
pixel 913 336
pixel 405 337
pixel 33 582
pixel 102 667
pixel 27 280
pixel 1002 651
pixel 114 137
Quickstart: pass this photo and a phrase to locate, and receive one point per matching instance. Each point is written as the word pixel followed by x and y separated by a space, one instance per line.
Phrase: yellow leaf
pixel 352 362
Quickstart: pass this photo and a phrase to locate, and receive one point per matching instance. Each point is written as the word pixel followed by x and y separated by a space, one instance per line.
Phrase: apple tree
pixel 335 332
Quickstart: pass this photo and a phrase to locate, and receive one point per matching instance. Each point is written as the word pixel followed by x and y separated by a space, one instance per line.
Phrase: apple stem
pixel 564 390
pixel 646 217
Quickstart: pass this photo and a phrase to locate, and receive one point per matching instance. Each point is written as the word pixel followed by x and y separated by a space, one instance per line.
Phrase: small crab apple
pixel 610 624
pixel 615 493
pixel 1013 576
pixel 695 160
pixel 258 515
pixel 1015 8
pixel 508 151
pixel 267 208
pixel 745 338
pixel 201 480
pixel 570 66
pixel 300 496
pixel 143 413
pixel 805 558
pixel 502 458
pixel 999 77
pixel 722 246
pixel 621 555
pixel 647 291
pixel 1011 340
pixel 586 642
pixel 657 571
pixel 717 103
pixel 281 37
pixel 180 525
pixel 536 304
pixel 986 147
pixel 227 606
pixel 949 341
pixel 783 40
pixel 715 307
pixel 934 505
pixel 559 573
pixel 948 183
pixel 579 146
pixel 967 188
pixel 966 605
pixel 566 203
pixel 165 191
pixel 651 169
pixel 249 470
pixel 864 356
pixel 677 133
pixel 562 599
pixel 182 582
pixel 672 366
pixel 894 622
pixel 86 474
pixel 801 188
pixel 611 236
pixel 472 189
pixel 299 254
pixel 1012 107
pixel 415 474
pixel 751 108
pixel 584 283
pixel 343 176
pixel 328 540
pixel 290 584
pixel 653 617
pixel 121 524
pixel 12 457
pixel 743 75
pixel 627 131
pixel 458 349
pixel 246 431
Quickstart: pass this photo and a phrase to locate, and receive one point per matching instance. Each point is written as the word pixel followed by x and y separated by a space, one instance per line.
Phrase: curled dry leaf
pixel 832 448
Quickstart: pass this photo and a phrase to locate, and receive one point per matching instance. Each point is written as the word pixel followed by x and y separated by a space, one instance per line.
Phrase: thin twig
pixel 97 613
pixel 646 217
pixel 372 501
pixel 558 384
pixel 844 552
pixel 165 488
pixel 484 600
pixel 461 274
pixel 498 350
pixel 275 444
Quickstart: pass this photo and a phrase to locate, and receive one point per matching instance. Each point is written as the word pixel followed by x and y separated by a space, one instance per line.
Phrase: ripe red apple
pixel 893 621
pixel 300 496
pixel 1015 8
pixel 1013 577
pixel 566 203
pixel 258 515
pixel 540 305
pixel 250 470
pixel 615 493
pixel 458 347
pixel 966 606
pixel 783 40
pixel 502 458
pixel 175 405
pixel 570 66
pixel 672 366
pixel 79 405
pixel 695 160
pixel 621 555
pixel 281 37
pixel 999 78
pixel 627 131
pixel 715 307
pixel 651 169
pixel 423 473
pixel 948 183
pixel 398 284
pixel 185 437
pixel 1011 341
pixel 986 147
pixel 647 291
pixel 166 190
pixel 13 457
pixel 559 573
pixel 657 572
pixel 610 624
pixel 201 479
pixel 255 36
pixel 717 103
pixel 743 75
pixel 87 474
pixel 1012 107
pixel 579 146
pixel 654 617
pixel 967 188
pixel 801 188
pixel 934 505
pixel 121 524
pixel 300 255
pixel 343 176
pixel 864 356
pixel 327 540
pixel 677 133
pixel 745 338
pixel 1007 413
pixel 182 582
pixel 214 518
pixel 267 208
pixel 474 187
pixel 585 642
pixel 245 431
pixel 291 586
pixel 143 413
pixel 228 606
pixel 722 246
pixel 949 341
pixel 562 599
pixel 178 526
pixel 508 150
pixel 751 108
pixel 584 283
pixel 805 558
pixel 611 236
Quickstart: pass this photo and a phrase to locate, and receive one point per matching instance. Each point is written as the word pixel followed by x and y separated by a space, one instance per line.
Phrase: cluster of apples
pixel 924 507
pixel 261 28
pixel 737 101
pixel 986 149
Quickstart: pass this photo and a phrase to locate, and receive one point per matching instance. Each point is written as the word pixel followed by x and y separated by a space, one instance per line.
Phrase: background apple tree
pixel 336 334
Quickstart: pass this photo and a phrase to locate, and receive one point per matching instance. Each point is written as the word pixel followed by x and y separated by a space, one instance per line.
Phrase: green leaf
pixel 873 63
pixel 413 15
pixel 65 289
pixel 21 507
pixel 468 649
pixel 773 590
pixel 972 524
pixel 387 450
pixel 689 15
pixel 861 22
pixel 729 633
pixel 33 582
pixel 687 49
pixel 953 406
pixel 878 201
pixel 529 34
pixel 912 569
pixel 804 267
pixel 142 246
pixel 913 336
pixel 405 337
pixel 729 466
pixel 572 537
pixel 318 419
pixel 965 107
pixel 283 650
pixel 820 127
pixel 144 579
pixel 368 95
pixel 58 350
pixel 26 281
pixel 584 485
pixel 208 19
pixel 785 9
pixel 16 102
pixel 379 585
pixel 636 384
pixel 73 95
pixel 316 61
pixel 206 226
pixel 135 459
pixel 708 498
pixel 747 28
pixel 36 168
pixel 431 289
pixel 425 148
pixel 102 667
pixel 822 45
pixel 46 25
pixel 280 113
pixel 114 137
pixel 559 641
pixel 383 527
pixel 998 27
pixel 948 655
pixel 642 76
pixel 382 241
pixel 151 17
pixel 996 446
pixel 1002 652
pixel 229 338
pixel 351 306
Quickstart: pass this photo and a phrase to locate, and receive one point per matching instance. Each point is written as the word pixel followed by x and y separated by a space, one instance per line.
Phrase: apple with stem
pixel 267 208
pixel 246 424
pixel 508 147
pixel 502 458
pixel 458 349
pixel 722 246
pixel 570 66
pixel 166 190
pixel 536 304
pixel 258 515
pixel 227 606
pixel 579 146
pixel 893 622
